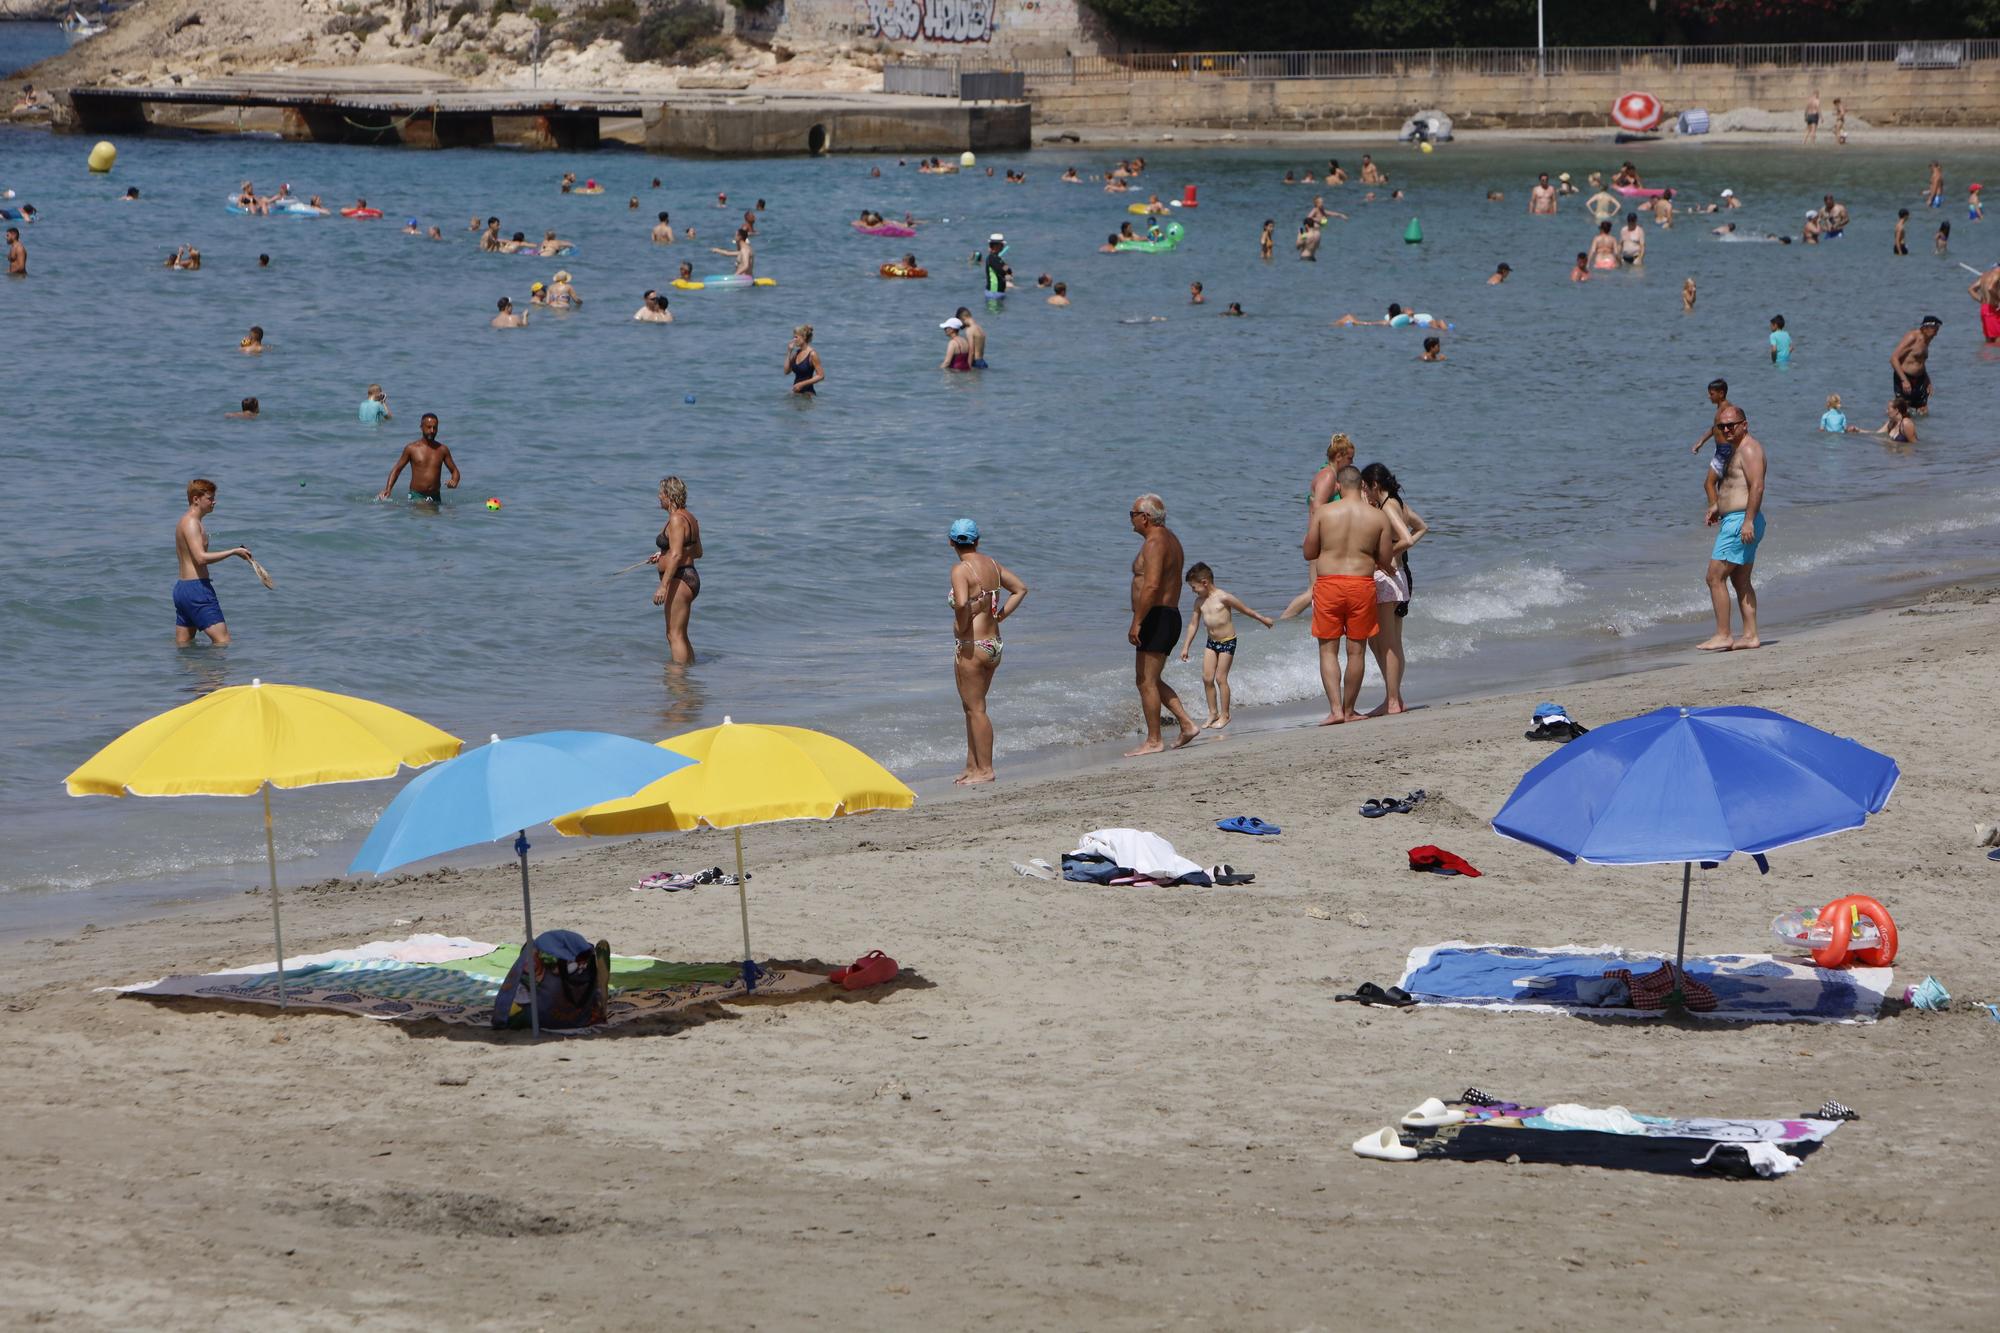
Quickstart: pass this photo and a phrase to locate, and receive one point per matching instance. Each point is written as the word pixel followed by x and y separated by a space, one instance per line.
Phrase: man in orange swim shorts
pixel 1347 540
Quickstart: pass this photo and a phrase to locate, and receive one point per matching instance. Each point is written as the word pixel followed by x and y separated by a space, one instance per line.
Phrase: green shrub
pixel 673 32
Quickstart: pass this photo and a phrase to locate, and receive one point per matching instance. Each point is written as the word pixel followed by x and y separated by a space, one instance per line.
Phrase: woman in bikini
pixel 1339 454
pixel 1406 529
pixel 680 582
pixel 977 609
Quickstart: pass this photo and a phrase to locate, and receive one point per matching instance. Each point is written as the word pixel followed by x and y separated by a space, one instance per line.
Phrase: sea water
pixel 1549 452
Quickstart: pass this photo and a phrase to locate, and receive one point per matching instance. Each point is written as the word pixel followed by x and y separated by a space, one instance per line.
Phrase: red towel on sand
pixel 1428 857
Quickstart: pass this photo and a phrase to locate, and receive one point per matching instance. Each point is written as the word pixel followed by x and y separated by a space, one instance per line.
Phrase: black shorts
pixel 1812 117
pixel 1919 392
pixel 1160 629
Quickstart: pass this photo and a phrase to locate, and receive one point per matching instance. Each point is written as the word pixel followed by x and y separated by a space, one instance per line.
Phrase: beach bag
pixel 572 981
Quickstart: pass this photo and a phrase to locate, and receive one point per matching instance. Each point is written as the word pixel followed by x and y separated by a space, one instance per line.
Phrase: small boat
pixel 77 27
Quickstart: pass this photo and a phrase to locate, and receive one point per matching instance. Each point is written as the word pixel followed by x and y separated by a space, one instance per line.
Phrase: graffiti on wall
pixel 931 20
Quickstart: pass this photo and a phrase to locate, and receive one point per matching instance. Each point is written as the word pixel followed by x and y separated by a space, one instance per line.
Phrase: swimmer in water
pixel 957 352
pixel 1603 248
pixel 1499 275
pixel 653 309
pixel 1603 205
pixel 1833 421
pixel 663 231
pixel 196 610
pixel 507 319
pixel 1632 242
pixel 1901 426
pixel 1433 350
pixel 1110 246
pixel 247 413
pixel 1061 296
pixel 1581 273
pixel 1069 177
pixel 1235 310
pixel 489 239
pixel 252 344
pixel 743 254
pixel 553 244
pixel 1264 242
pixel 562 295
pixel 1687 296
pixel 427 460
pixel 1195 296
pixel 975 337
pixel 687 272
pixel 803 363
pixel 538 294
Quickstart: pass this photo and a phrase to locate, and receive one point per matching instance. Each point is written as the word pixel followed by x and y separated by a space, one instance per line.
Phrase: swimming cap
pixel 964 532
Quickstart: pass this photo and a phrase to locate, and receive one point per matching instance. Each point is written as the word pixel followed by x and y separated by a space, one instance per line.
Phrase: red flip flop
pixel 871 969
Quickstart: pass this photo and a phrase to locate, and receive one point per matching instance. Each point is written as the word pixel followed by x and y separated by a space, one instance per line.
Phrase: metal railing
pixel 944 80
pixel 1431 62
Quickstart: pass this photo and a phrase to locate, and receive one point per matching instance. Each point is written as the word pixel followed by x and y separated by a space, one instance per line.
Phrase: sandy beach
pixel 1082 1107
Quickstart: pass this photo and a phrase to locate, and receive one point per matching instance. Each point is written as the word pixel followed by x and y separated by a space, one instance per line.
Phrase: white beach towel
pixel 1148 853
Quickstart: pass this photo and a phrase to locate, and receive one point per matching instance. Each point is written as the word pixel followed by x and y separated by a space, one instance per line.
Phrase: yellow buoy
pixel 102 156
pixel 966 159
pixel 1425 146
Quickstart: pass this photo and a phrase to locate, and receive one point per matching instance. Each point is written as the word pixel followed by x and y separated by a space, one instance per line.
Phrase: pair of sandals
pixel 1228 876
pixel 871 969
pixel 1386 1145
pixel 1368 993
pixel 1377 806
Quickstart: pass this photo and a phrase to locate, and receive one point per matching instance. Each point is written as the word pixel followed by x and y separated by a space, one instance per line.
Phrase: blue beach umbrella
pixel 507 787
pixel 1695 784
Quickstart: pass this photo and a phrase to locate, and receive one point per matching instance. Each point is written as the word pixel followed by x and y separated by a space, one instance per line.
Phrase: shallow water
pixel 1549 453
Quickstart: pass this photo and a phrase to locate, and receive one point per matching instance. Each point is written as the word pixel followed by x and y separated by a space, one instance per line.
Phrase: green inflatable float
pixel 1170 239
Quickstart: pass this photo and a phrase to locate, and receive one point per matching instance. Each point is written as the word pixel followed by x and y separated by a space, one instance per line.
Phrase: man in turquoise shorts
pixel 1738 509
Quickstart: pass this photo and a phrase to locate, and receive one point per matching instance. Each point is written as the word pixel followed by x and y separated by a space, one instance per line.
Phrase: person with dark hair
pixel 1911 364
pixel 1392 589
pixel 247 413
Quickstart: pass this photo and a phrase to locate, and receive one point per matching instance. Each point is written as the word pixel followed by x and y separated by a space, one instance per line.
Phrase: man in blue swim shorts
pixel 196 609
pixel 1738 512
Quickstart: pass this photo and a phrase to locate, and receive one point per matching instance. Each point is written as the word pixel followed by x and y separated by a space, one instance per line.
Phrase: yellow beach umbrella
pixel 246 739
pixel 749 773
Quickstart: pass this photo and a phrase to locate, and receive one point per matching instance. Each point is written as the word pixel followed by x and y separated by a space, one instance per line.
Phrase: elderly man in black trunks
pixel 1156 620
pixel 1909 361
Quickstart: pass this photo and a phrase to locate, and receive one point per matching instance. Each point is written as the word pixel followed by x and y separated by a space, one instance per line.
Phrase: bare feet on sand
pixel 1719 643
pixel 1739 645
pixel 1217 723
pixel 1385 709
pixel 1335 719
pixel 971 779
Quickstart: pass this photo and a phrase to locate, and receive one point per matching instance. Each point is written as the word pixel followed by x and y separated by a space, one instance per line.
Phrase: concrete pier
pixel 417 113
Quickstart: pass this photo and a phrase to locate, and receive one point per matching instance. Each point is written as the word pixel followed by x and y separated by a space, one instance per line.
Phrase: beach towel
pixel 1748 988
pixel 371 981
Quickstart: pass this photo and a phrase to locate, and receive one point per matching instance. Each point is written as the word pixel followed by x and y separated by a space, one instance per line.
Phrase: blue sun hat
pixel 964 532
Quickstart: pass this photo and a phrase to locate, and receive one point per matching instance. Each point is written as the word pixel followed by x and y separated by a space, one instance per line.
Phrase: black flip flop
pixel 1376 806
pixel 1395 997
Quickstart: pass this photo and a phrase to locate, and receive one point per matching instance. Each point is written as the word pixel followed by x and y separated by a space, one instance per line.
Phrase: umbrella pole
pixel 529 962
pixel 1680 948
pixel 271 858
pixel 743 901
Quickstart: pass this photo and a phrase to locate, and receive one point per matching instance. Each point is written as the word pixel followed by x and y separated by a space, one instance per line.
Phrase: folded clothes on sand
pixel 1743 987
pixel 1129 856
pixel 1441 862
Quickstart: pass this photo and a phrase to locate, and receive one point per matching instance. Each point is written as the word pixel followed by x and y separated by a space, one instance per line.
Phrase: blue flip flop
pixel 1247 824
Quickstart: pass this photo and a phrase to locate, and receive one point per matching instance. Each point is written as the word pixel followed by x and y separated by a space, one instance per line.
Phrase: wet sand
pixel 1082 1107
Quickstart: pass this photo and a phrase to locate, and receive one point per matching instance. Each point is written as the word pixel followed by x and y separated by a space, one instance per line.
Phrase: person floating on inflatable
pixel 1399 318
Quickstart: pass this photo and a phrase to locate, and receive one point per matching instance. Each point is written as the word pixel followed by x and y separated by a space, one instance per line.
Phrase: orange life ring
pixel 1837 917
pixel 898 271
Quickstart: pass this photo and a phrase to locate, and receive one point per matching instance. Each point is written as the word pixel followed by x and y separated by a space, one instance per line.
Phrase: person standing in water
pixel 802 361
pixel 196 609
pixel 1911 364
pixel 975 337
pixel 1156 622
pixel 1392 588
pixel 427 461
pixel 1264 242
pixel 977 582
pixel 743 254
pixel 996 266
pixel 1738 510
pixel 680 582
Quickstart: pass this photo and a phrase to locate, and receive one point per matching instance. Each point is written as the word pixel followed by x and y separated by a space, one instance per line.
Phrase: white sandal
pixel 1432 1114
pixel 1384 1146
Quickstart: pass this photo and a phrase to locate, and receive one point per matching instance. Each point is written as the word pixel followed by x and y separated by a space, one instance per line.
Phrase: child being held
pixel 1212 607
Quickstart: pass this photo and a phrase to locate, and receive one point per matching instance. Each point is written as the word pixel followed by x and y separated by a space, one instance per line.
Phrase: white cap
pixel 1729 194
pixel 953 323
pixel 996 236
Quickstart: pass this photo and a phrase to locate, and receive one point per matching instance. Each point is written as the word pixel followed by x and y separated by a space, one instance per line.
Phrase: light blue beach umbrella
pixel 1695 784
pixel 507 787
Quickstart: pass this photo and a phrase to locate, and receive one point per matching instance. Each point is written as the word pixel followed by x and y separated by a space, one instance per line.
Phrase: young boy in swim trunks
pixel 1718 393
pixel 1212 607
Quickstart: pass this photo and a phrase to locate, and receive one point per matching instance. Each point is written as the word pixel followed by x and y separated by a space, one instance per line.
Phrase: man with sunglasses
pixel 1738 509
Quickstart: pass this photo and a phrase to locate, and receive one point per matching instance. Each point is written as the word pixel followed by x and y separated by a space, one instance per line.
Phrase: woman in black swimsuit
pixel 802 361
pixel 680 582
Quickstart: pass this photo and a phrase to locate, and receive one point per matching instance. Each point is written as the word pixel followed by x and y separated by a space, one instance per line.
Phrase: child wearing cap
pixel 1212 606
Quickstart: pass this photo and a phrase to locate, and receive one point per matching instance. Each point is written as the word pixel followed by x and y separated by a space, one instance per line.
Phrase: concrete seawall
pixel 1878 93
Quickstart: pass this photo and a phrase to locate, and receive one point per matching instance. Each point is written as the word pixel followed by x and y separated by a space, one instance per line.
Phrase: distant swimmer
pixel 1307 241
pixel 1500 275
pixel 957 353
pixel 1899 426
pixel 1069 177
pixel 248 412
pixel 1899 243
pixel 17 254
pixel 1581 273
pixel 434 234
pixel 1604 205
pixel 1335 173
pixel 1833 421
pixel 1110 246
pixel 1687 296
pixel 252 343
pixel 632 204
pixel 1941 243
pixel 375 406
pixel 1235 310
pixel 687 272
pixel 802 362
pixel 1736 511
pixel 427 460
pixel 721 199
pixel 1346 541
pixel 1934 191
pixel 1839 123
pixel 1564 185
pixel 1604 247
pixel 1542 198
pixel 1397 318
pixel 507 319
pixel 1370 173
pixel 538 294
pixel 553 244
pixel 1213 609
pixel 131 195
pixel 663 231
pixel 977 610
pixel 1433 350
pixel 1833 218
pixel 1781 342
pixel 489 239
pixel 1061 296
pixel 1156 622
pixel 562 292
pixel 1153 204
pixel 1663 211
pixel 744 255
pixel 679 544
pixel 1264 242
pixel 1910 362
pixel 1195 296
pixel 196 609
pixel 998 275
pixel 1985 289
pixel 975 337
pixel 653 309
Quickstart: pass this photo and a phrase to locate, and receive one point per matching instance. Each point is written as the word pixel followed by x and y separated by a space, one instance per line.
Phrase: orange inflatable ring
pixel 898 271
pixel 1838 917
